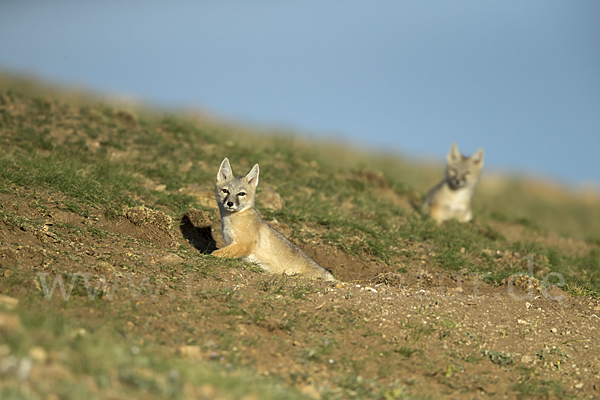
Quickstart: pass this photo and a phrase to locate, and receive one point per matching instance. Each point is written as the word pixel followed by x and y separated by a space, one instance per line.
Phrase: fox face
pixel 235 193
pixel 463 171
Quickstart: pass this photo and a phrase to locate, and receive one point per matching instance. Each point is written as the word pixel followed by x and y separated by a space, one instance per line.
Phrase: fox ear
pixel 252 176
pixel 477 158
pixel 224 171
pixel 454 154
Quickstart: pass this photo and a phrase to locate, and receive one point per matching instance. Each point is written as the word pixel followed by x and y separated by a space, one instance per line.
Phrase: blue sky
pixel 519 78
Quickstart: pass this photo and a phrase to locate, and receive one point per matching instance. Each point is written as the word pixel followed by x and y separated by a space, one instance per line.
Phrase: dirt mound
pixel 343 266
pixel 144 224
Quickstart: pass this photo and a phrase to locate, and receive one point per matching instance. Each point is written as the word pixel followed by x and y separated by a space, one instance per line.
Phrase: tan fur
pixel 451 198
pixel 251 238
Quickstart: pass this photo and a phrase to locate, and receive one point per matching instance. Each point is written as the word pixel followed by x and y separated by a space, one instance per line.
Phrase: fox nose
pixel 229 204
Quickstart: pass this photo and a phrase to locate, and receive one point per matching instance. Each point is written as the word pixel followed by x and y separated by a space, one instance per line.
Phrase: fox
pixel 451 198
pixel 248 236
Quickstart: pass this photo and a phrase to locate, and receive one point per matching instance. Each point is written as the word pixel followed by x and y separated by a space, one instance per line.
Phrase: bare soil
pixel 414 330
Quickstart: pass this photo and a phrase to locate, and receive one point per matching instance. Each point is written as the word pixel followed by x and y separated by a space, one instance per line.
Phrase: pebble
pixel 527 359
pixel 310 391
pixel 24 369
pixel 8 363
pixel 38 354
pixel 9 303
pixel 191 351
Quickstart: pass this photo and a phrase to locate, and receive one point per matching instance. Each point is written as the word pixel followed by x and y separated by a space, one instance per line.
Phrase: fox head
pixel 463 171
pixel 235 193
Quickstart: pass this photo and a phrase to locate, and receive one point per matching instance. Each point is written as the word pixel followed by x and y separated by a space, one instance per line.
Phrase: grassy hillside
pixel 111 158
pixel 96 189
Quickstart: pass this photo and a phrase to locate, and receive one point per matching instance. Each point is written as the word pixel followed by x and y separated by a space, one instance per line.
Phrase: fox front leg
pixel 233 250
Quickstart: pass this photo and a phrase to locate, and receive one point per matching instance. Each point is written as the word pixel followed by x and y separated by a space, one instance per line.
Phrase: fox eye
pixel 241 193
pixel 225 191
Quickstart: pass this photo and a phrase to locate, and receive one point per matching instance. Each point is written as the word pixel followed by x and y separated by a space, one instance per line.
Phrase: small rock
pixel 269 198
pixel 142 216
pixel 579 385
pixel 171 258
pixel 10 303
pixel 186 167
pixel 9 322
pixel 310 391
pixel 553 330
pixel 527 359
pixel 38 354
pixel 174 375
pixel 8 364
pixel 554 293
pixel 24 369
pixel 191 351
pixel 77 333
pixel 52 372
